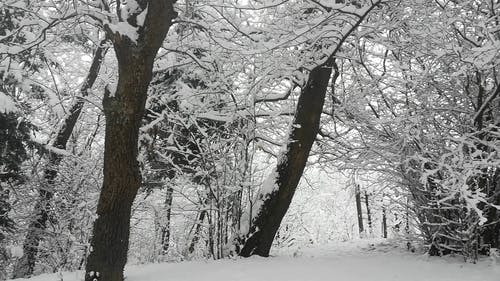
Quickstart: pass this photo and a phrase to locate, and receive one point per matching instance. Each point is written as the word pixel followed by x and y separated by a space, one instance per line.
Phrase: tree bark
pixel 263 227
pixel 275 203
pixel 368 212
pixel 25 265
pixel 124 112
pixel 165 228
pixel 196 235
pixel 291 165
pixel 384 223
pixel 359 210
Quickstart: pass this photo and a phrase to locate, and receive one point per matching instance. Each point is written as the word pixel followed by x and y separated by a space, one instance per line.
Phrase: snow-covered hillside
pixel 360 260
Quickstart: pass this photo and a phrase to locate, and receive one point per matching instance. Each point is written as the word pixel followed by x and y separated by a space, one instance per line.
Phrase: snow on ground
pixel 350 261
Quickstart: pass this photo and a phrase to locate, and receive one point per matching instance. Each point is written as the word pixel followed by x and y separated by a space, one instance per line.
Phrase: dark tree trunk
pixel 124 112
pixel 368 212
pixel 236 210
pixel 407 217
pixel 291 166
pixel 196 236
pixel 4 261
pixel 165 228
pixel 25 265
pixel 359 210
pixel 211 233
pixel 384 223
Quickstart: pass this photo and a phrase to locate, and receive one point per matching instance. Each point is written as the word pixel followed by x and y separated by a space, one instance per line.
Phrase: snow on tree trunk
pixel 196 235
pixel 277 192
pixel 165 227
pixel 275 196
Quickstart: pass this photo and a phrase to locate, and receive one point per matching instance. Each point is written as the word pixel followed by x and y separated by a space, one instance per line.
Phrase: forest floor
pixel 361 260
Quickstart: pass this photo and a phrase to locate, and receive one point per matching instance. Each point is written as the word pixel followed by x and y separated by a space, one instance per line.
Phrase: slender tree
pixel 291 166
pixel 384 222
pixel 368 211
pixel 359 209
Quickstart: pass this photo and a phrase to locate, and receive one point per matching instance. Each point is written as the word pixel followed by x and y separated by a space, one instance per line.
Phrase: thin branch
pixel 485 104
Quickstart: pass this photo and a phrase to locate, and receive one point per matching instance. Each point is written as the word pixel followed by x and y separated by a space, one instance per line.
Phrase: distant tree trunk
pixel 491 233
pixel 165 228
pixel 14 137
pixel 407 217
pixel 124 111
pixel 25 265
pixel 236 210
pixel 368 212
pixel 290 165
pixel 359 210
pixel 196 235
pixel 4 261
pixel 384 222
pixel 488 182
pixel 211 234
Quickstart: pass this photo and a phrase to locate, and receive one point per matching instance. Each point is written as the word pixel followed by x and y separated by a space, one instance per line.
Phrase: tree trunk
pixel 284 180
pixel 368 212
pixel 196 236
pixel 25 265
pixel 384 223
pixel 359 210
pixel 165 228
pixel 124 112
pixel 4 261
pixel 407 217
pixel 211 233
pixel 290 165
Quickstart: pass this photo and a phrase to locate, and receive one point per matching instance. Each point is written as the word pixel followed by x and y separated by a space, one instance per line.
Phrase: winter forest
pixel 250 140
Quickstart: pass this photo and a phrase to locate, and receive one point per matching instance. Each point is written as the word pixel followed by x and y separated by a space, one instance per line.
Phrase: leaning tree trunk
pixel 290 166
pixel 124 112
pixel 197 230
pixel 25 265
pixel 276 198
